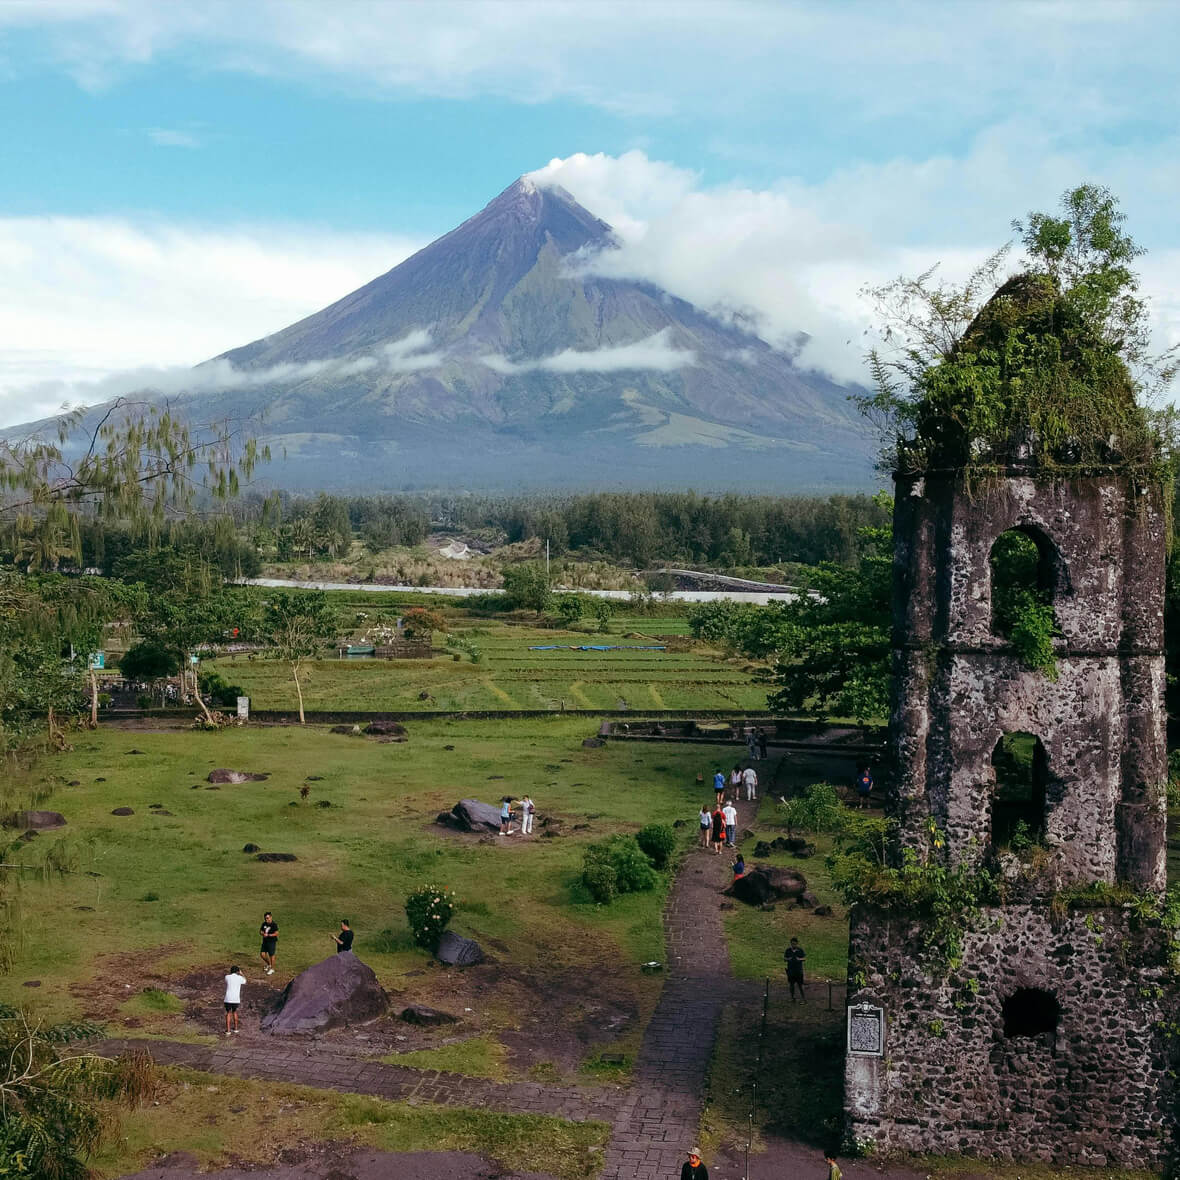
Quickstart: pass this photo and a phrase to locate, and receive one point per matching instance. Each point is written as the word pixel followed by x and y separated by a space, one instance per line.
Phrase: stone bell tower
pixel 1045 1039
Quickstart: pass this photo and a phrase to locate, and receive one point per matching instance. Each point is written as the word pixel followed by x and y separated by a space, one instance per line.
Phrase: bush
pixel 658 842
pixel 219 691
pixel 428 911
pixel 623 856
pixel 818 809
pixel 600 881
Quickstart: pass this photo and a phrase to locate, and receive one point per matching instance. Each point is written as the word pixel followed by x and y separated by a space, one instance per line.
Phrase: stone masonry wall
pixel 1097 1093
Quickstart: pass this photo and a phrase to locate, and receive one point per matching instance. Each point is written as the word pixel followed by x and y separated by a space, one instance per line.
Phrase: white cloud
pixel 83 298
pixel 170 137
pixel 794 258
pixel 653 352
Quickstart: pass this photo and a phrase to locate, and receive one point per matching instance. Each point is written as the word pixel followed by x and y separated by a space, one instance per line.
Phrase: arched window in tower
pixel 1027 574
pixel 1021 770
pixel 1031 1011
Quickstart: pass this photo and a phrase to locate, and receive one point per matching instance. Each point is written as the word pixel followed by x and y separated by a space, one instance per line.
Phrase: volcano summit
pixel 496 358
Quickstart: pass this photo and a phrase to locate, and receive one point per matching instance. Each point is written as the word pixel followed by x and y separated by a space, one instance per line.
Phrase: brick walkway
pixel 660 1117
pixel 655 1121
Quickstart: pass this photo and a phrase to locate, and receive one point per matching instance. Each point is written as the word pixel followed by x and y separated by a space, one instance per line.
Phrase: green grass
pixel 477 1057
pixel 358 858
pixel 223 1120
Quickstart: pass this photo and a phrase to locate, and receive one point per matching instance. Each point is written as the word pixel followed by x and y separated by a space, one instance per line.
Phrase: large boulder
pixel 457 951
pixel 392 731
pixel 37 821
pixel 767 883
pixel 222 775
pixel 470 815
pixel 339 991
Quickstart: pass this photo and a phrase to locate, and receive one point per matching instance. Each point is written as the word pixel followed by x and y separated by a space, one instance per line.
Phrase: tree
pixel 50 1117
pixel 527 586
pixel 421 623
pixel 297 625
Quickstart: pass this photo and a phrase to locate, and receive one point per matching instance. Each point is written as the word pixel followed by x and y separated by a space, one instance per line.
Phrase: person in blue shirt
pixel 719 784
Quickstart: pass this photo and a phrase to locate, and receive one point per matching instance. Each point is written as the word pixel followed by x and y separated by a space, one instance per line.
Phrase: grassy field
pixel 223 1120
pixel 511 675
pixel 157 896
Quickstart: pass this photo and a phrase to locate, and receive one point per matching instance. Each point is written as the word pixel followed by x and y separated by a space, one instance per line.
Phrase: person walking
pixel 706 826
pixel 750 779
pixel 834 1172
pixel 526 816
pixel 864 787
pixel 506 816
pixel 269 930
pixel 761 742
pixel 729 814
pixel 692 1168
pixel 233 1000
pixel 795 957
pixel 752 744
pixel 718 785
pixel 718 828
pixel 343 940
pixel 735 781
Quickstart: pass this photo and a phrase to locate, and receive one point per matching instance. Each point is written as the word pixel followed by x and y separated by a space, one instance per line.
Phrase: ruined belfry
pixel 1045 1035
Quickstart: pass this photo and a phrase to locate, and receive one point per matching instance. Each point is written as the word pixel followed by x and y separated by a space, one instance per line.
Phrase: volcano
pixel 496 358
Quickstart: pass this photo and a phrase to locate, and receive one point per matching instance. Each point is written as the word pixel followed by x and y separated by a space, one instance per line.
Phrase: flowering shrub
pixel 428 911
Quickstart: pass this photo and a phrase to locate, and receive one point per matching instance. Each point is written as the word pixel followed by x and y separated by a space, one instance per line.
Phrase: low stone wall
pixel 1096 1092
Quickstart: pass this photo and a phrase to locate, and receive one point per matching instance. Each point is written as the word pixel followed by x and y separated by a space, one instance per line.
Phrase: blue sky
pixel 180 178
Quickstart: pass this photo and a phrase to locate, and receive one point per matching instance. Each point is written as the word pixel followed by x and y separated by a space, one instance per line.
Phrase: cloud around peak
pixel 655 352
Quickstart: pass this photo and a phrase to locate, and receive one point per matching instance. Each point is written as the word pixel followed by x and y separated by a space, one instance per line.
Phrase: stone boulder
pixel 334 993
pixel 123 811
pixel 37 821
pixel 420 1014
pixel 470 815
pixel 235 776
pixel 276 857
pixel 767 883
pixel 392 731
pixel 457 951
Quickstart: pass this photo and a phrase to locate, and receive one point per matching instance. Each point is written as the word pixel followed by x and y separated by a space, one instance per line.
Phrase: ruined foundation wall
pixel 1097 1093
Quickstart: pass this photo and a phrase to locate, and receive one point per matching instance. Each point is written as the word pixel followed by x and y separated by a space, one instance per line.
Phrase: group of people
pixel 527 811
pixel 269 933
pixel 756 743
pixel 718 826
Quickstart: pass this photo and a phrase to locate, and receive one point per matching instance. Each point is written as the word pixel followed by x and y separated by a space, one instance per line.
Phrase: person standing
pixel 506 816
pixel 864 786
pixel 692 1168
pixel 706 826
pixel 795 957
pixel 269 930
pixel 752 744
pixel 729 814
pixel 343 940
pixel 233 1000
pixel 526 816
pixel 750 778
pixel 834 1172
pixel 761 742
pixel 718 828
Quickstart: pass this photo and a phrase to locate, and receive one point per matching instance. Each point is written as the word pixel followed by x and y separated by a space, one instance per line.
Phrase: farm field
pixel 511 674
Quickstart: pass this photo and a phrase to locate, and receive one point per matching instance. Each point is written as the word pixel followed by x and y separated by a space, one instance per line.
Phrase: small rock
pixel 86 909
pixel 234 777
pixel 31 983
pixel 251 848
pixel 448 747
pixel 456 951
pixel 386 729
pixel 75 782
pixel 100 780
pixel 420 1014
pixel 195 787
pixel 746 834
pixel 41 821
pixel 153 805
pixel 323 803
pixel 314 778
pixel 134 751
pixel 592 743
pixel 29 835
pixel 762 849
pixel 213 788
pixel 349 730
pixel 493 777
pixel 726 905
pixel 807 900
pixel 270 857
pixel 767 907
pixel 123 811
pixel 823 911
pixel 162 811
pixel 679 823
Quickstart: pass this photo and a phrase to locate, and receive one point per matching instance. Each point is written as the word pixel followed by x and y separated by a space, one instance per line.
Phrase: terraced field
pixel 510 674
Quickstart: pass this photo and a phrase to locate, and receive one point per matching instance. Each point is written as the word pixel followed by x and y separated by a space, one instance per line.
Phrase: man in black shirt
pixel 692 1168
pixel 344 938
pixel 270 941
pixel 795 955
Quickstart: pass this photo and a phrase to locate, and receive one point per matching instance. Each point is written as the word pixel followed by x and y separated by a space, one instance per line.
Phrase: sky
pixel 181 178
